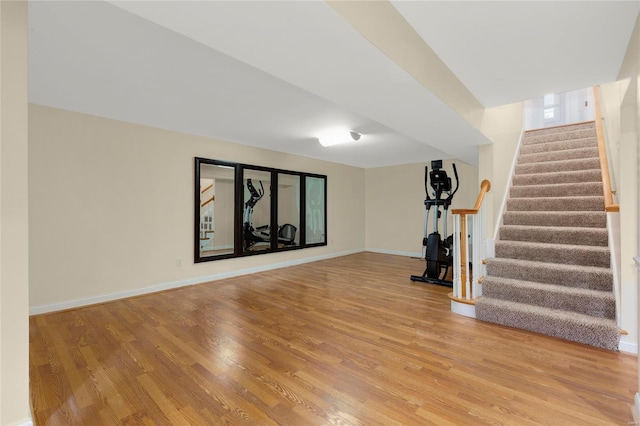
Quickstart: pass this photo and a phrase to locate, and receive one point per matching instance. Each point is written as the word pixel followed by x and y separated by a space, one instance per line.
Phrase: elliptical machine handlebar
pixel 426 182
pixel 256 195
pixel 450 197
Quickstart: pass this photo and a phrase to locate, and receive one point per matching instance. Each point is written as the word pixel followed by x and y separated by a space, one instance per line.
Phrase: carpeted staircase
pixel 551 271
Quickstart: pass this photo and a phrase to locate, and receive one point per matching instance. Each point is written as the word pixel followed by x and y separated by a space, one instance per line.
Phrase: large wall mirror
pixel 215 209
pixel 243 210
pixel 256 217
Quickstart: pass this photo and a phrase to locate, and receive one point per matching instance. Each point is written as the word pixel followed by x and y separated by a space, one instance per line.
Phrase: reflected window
pixel 549 99
pixel 549 113
pixel 316 210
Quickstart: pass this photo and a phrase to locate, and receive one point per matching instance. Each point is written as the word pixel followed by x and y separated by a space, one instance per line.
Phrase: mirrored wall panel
pixel 288 210
pixel 256 217
pixel 245 210
pixel 316 209
pixel 216 207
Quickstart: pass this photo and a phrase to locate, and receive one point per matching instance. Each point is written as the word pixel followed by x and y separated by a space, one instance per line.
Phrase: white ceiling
pixel 277 74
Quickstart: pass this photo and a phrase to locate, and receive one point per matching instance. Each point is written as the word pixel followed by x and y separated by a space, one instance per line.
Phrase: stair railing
pixel 609 205
pixel 467 275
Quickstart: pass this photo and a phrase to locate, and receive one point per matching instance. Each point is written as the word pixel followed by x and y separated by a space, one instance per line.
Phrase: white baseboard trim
pixel 28 422
pixel 77 303
pixel 395 252
pixel 628 347
pixel 490 248
pixel 463 309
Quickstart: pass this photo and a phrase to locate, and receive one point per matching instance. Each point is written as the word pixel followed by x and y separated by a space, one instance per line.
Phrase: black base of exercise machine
pixel 438 252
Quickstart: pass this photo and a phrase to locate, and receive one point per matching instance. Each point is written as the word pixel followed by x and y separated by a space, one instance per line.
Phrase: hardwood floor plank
pixel 345 341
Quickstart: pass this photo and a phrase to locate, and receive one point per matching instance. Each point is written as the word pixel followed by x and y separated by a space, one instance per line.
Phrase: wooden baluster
pixel 463 256
pixel 456 255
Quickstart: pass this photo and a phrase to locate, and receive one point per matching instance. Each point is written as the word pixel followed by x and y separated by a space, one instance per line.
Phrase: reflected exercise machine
pixel 262 234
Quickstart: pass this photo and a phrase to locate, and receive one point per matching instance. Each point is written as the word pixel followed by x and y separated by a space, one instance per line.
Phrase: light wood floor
pixel 344 341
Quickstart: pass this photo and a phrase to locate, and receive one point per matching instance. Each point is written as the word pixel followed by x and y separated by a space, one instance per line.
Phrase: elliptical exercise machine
pixel 261 235
pixel 438 251
pixel 253 235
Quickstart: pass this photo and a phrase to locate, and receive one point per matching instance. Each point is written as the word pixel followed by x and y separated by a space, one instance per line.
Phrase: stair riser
pixel 593 175
pixel 575 236
pixel 549 274
pixel 558 166
pixel 566 255
pixel 578 219
pixel 556 204
pixel 576 189
pixel 561 129
pixel 555 137
pixel 603 307
pixel 595 335
pixel 559 146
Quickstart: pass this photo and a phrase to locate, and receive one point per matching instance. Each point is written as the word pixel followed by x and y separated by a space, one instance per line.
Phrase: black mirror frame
pixel 238 231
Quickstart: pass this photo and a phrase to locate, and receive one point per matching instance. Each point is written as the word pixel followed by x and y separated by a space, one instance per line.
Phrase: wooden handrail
pixel 485 187
pixel 206 189
pixel 604 162
pixel 208 201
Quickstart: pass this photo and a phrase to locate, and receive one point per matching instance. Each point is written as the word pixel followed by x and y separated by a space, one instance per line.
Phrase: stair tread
pixel 556 288
pixel 569 176
pixel 558 136
pixel 562 128
pixel 559 145
pixel 549 265
pixel 593 302
pixel 544 311
pixel 558 228
pixel 573 203
pixel 561 235
pixel 567 185
pixel 593 277
pixel 584 152
pixel 569 325
pixel 556 219
pixel 534 245
pixel 557 190
pixel 571 164
pixel 569 197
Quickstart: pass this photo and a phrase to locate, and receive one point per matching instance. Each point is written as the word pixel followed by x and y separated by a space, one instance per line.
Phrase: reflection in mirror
pixel 315 210
pixel 217 185
pixel 288 210
pixel 256 226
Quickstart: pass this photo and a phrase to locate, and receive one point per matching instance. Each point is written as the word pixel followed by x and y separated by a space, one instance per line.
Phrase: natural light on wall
pixel 557 109
pixel 336 137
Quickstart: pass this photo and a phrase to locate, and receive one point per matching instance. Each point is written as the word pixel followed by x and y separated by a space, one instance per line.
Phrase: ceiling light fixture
pixel 339 137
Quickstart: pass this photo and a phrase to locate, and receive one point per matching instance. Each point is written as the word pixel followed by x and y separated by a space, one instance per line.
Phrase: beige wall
pixel 630 142
pixel 395 205
pixel 502 125
pixel 112 206
pixel 619 106
pixel 14 211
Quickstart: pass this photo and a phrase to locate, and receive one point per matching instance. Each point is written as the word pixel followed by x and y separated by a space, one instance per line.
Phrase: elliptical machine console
pixel 438 251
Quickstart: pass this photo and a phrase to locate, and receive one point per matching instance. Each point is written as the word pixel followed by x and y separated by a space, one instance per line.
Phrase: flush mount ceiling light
pixel 339 137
